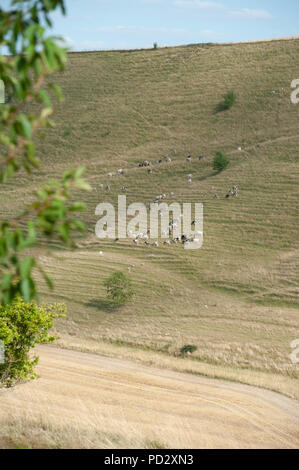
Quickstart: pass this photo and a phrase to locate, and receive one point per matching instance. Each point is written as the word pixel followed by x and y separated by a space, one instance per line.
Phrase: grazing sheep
pixel 216 196
pixel 110 175
pixel 189 181
pixel 174 152
pixel 189 158
pixel 124 189
pixel 101 186
pixel 120 172
pixel 116 240
pixel 167 242
pixel 149 170
pixel 145 163
pixel 156 244
pixel 108 187
pixel 147 243
pixel 232 192
pixel 136 241
pixel 200 157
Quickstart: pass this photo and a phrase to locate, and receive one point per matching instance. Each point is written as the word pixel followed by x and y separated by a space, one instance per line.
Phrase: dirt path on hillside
pixel 179 410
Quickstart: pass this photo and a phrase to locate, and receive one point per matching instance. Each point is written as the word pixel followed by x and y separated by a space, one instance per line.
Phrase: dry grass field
pixel 236 299
pixel 83 400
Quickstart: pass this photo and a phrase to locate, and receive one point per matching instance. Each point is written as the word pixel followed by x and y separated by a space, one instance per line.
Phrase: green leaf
pixel 26 129
pixel 26 290
pixel 25 267
pixel 57 90
pixel 6 281
pixel 44 97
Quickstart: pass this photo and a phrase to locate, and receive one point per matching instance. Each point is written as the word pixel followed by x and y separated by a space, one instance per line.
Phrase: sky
pixel 129 24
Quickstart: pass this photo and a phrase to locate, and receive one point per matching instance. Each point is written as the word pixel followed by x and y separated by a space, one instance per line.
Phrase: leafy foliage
pixel 188 349
pixel 32 57
pixel 119 288
pixel 220 161
pixel 22 326
pixel 155 45
pixel 228 101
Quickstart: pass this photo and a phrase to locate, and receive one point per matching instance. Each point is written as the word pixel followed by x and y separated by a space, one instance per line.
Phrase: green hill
pixel 235 298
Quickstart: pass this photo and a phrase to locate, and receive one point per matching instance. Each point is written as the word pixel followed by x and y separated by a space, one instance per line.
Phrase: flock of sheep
pixel 144 237
pixel 146 164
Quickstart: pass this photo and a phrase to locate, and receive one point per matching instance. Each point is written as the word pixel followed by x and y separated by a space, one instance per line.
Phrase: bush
pixel 188 349
pixel 119 288
pixel 155 45
pixel 228 101
pixel 220 161
pixel 22 326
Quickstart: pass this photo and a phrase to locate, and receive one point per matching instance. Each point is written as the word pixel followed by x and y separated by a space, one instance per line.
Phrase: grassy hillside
pixel 236 298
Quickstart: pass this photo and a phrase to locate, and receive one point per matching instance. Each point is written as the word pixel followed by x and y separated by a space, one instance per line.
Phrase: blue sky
pixel 122 24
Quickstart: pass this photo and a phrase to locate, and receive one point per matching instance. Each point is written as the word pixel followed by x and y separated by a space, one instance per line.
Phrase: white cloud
pixel 202 5
pixel 69 41
pixel 251 14
pixel 65 41
pixel 242 13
